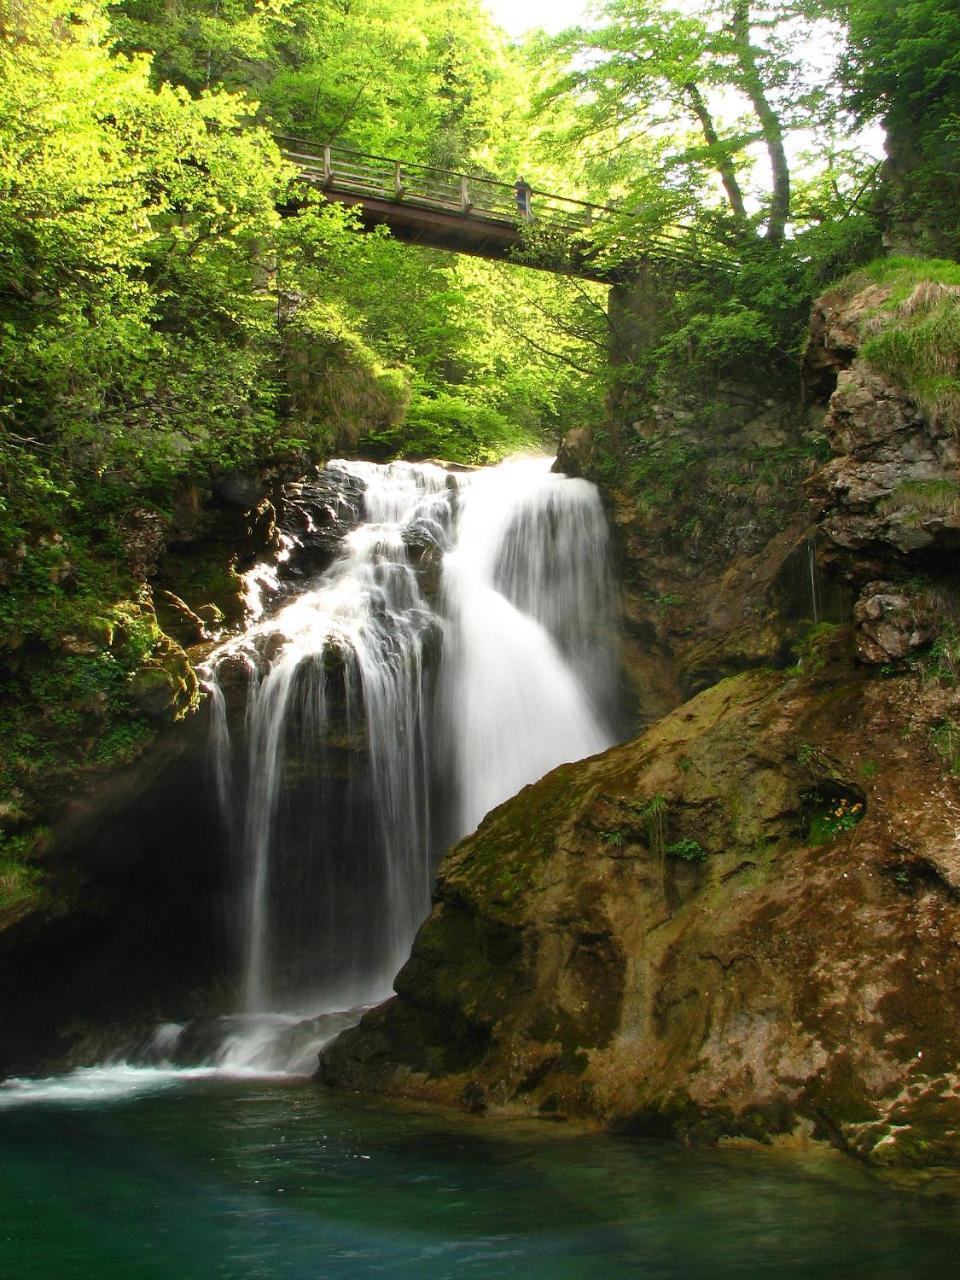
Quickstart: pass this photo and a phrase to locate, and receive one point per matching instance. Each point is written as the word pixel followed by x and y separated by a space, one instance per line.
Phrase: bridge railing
pixel 338 169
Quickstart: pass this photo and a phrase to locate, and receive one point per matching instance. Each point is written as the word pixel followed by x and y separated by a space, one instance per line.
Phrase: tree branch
pixel 746 56
pixel 722 161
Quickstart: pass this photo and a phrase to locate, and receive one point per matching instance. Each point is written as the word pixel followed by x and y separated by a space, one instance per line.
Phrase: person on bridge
pixel 524 192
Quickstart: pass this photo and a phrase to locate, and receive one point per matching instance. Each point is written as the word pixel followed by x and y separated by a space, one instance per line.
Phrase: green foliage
pixel 902 275
pixel 945 740
pixel 686 850
pixel 655 814
pixel 808 755
pixel 903 65
pixel 829 817
pixel 19 881
pixel 129 331
pixel 719 341
pixel 918 499
pixel 913 337
pixel 941 665
pixel 811 653
pixel 457 427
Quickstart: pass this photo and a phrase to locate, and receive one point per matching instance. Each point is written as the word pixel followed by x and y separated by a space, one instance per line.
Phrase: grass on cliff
pixel 914 337
pixel 924 498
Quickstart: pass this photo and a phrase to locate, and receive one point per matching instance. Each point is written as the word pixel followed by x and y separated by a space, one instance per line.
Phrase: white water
pixel 526 661
pixel 380 724
pixel 352 736
pixel 335 928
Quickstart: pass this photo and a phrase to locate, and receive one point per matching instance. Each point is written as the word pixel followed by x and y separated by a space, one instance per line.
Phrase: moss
pixel 836 1097
pixel 85 705
pixel 202 576
pixel 498 865
pixel 945 740
pixel 20 881
pixel 816 646
pixel 923 1131
pixel 19 884
pixel 679 1116
pixel 165 687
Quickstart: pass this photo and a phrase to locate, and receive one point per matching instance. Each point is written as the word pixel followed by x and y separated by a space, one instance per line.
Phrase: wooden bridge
pixel 455 211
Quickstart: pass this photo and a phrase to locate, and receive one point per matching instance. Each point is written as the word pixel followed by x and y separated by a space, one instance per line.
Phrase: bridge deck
pixel 453 211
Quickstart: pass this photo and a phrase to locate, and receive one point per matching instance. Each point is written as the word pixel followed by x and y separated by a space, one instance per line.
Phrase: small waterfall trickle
pixel 813 578
pixel 458 647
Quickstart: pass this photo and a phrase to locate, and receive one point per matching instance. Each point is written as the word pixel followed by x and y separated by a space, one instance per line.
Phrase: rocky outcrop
pixel 747 922
pixel 713 538
pixel 889 494
pixel 888 626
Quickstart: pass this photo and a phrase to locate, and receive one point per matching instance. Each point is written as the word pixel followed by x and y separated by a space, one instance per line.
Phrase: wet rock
pixel 576 453
pixel 317 515
pixel 888 626
pixel 238 488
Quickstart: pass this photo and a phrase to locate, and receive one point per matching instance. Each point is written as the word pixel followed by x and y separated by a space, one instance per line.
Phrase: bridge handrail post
pixel 327 166
pixel 397 181
pixel 466 203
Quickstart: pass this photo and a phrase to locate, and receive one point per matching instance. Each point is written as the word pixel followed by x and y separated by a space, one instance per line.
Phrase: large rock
pixel 655 940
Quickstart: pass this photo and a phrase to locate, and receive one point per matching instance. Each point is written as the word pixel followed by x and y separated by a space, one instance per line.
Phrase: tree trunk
pixel 769 121
pixel 728 175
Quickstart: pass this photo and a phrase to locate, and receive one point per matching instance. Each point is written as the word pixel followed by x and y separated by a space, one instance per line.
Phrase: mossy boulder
pixel 800 974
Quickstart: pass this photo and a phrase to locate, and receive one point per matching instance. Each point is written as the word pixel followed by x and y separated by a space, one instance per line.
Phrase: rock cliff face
pixel 711 523
pixel 886 448
pixel 747 921
pixel 696 933
pixel 888 498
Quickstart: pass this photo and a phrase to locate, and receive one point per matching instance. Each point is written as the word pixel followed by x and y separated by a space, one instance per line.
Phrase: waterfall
pixel 458 647
pixel 333 833
pixel 527 666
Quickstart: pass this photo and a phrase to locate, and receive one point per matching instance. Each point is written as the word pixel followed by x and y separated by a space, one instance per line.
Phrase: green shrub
pixel 455 426
pixel 687 850
pixel 829 817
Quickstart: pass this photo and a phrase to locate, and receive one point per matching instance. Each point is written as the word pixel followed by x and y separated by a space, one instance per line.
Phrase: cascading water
pixel 527 663
pixel 333 829
pixel 384 718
